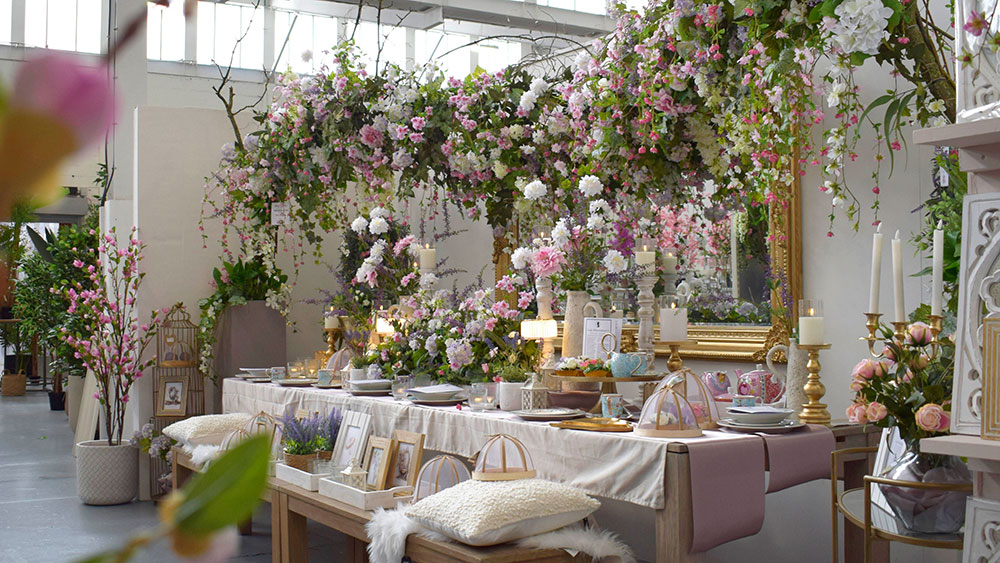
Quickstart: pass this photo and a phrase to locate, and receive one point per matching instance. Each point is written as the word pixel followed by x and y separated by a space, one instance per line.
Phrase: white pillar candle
pixel 645 257
pixel 734 241
pixel 876 269
pixel 669 262
pixel 673 324
pixel 811 330
pixel 937 271
pixel 331 322
pixel 428 258
pixel 897 277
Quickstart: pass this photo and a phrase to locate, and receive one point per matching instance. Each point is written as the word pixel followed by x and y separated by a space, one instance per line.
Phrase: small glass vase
pixel 928 511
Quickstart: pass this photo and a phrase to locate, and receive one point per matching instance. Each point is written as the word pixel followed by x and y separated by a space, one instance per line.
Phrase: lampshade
pixel 537 329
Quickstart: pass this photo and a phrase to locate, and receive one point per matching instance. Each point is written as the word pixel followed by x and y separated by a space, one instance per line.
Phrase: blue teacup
pixel 325 377
pixel 627 364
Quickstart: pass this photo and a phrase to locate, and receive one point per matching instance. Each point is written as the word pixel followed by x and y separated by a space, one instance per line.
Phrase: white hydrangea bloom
pixel 359 225
pixel 379 212
pixel 535 190
pixel 860 26
pixel 590 185
pixel 560 233
pixel 614 262
pixel 378 226
pixel 519 259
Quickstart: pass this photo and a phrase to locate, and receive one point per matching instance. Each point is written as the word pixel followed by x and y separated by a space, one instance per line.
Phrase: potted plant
pixel 359 367
pixel 300 439
pixel 326 436
pixel 510 379
pixel 110 343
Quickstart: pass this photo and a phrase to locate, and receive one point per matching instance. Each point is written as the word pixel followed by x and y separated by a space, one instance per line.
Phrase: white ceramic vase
pixel 572 342
pixel 509 395
pixel 358 374
pixel 106 474
pixel 795 374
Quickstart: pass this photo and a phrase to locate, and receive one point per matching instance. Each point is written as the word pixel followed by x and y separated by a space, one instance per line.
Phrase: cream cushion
pixel 209 429
pixel 493 512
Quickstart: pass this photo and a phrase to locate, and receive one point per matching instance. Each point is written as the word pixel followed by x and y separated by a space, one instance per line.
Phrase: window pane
pixel 153 17
pixel 34 23
pixel 281 22
pixel 88 26
pixel 206 32
pixel 227 30
pixel 61 24
pixel 252 46
pixel 5 8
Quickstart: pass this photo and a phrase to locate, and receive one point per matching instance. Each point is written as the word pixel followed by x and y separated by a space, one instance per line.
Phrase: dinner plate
pixel 254 372
pixel 370 392
pixel 759 415
pixel 296 382
pixel 547 415
pixel 258 379
pixel 786 426
pixel 371 384
pixel 331 386
pixel 437 402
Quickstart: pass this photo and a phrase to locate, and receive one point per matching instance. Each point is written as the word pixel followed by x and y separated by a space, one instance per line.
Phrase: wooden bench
pixel 297 504
pixel 291 506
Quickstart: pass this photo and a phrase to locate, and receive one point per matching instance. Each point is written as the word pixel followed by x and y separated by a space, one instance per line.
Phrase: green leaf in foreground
pixel 228 491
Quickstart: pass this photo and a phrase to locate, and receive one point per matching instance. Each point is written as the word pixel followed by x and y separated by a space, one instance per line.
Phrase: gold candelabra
pixel 674 362
pixel 900 329
pixel 814 412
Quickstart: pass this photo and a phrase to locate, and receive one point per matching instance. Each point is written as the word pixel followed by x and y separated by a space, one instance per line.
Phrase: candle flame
pixel 644 249
pixel 427 245
pixel 673 305
pixel 812 312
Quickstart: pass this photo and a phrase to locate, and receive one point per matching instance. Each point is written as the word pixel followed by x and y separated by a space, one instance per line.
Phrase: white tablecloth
pixel 611 465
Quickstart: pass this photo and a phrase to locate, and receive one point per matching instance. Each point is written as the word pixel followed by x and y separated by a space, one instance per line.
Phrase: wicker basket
pixel 300 461
pixel 13 384
pixel 324 455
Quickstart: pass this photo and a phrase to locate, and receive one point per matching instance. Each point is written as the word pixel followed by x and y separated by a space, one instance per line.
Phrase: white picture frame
pixel 979 288
pixel 982 530
pixel 351 438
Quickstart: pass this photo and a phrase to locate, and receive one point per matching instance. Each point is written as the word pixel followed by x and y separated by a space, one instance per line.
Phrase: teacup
pixel 276 373
pixel 744 401
pixel 612 405
pixel 325 377
pixel 627 364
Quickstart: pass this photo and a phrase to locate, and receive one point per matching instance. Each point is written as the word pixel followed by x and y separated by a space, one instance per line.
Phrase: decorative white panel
pixel 982 531
pixel 978 84
pixel 980 261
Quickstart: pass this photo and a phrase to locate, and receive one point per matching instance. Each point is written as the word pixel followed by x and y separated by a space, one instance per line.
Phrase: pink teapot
pixel 766 386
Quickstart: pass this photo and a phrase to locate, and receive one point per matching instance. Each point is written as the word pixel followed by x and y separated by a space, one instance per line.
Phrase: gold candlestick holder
pixel 674 362
pixel 872 325
pixel 814 412
pixel 899 329
pixel 936 326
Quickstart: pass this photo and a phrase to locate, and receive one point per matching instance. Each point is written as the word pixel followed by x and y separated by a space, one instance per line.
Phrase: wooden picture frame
pixel 406 454
pixel 351 438
pixel 377 458
pixel 172 397
pixel 991 379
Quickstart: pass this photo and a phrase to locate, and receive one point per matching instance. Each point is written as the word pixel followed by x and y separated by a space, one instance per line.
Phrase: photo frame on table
pixel 406 454
pixel 172 397
pixel 978 300
pixel 351 439
pixel 377 458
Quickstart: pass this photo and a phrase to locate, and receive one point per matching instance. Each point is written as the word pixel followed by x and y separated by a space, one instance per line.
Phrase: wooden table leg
pixel 294 534
pixel 674 530
pixel 276 533
pixel 357 550
pixel 246 527
pixel 854 537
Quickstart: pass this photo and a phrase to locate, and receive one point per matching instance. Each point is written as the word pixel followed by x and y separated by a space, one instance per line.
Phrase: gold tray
pixel 596 424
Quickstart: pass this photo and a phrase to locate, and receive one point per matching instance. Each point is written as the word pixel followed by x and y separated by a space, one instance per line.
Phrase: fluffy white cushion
pixel 488 513
pixel 209 429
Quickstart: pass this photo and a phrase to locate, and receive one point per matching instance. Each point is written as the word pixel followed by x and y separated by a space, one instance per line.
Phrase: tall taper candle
pixel 734 242
pixel 897 277
pixel 938 270
pixel 876 269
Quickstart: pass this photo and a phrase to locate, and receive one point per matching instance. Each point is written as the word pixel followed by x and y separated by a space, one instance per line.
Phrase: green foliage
pixel 302 448
pixel 44 313
pixel 945 205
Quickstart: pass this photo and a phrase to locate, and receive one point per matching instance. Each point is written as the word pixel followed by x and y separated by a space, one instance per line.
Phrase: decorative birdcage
pixel 438 474
pixel 503 458
pixel 667 414
pixel 177 341
pixel 693 388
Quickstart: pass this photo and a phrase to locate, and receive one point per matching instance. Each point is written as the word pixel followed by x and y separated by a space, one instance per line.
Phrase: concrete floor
pixel 42 520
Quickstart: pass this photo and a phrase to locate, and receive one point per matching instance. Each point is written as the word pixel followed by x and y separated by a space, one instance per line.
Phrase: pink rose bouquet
pixel 908 388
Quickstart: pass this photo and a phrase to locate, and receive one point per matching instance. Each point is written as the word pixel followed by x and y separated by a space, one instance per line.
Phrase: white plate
pixel 258 379
pixel 371 384
pixel 370 392
pixel 256 372
pixel 437 402
pixel 771 416
pixel 296 382
pixel 439 396
pixel 331 386
pixel 786 426
pixel 544 415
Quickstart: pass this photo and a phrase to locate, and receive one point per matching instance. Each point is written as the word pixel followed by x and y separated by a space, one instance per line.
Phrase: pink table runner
pixel 798 457
pixel 727 490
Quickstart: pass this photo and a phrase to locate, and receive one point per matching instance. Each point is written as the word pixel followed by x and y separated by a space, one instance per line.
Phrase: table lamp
pixel 544 330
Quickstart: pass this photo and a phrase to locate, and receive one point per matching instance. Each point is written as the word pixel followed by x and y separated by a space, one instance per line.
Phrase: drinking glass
pixel 400 385
pixel 478 396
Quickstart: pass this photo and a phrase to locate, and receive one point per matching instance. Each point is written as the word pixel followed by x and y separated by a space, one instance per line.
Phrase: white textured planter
pixel 74 392
pixel 106 474
pixel 358 374
pixel 509 395
pixel 572 342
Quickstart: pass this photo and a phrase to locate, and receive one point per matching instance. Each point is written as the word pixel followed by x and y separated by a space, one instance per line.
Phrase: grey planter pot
pixel 106 475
